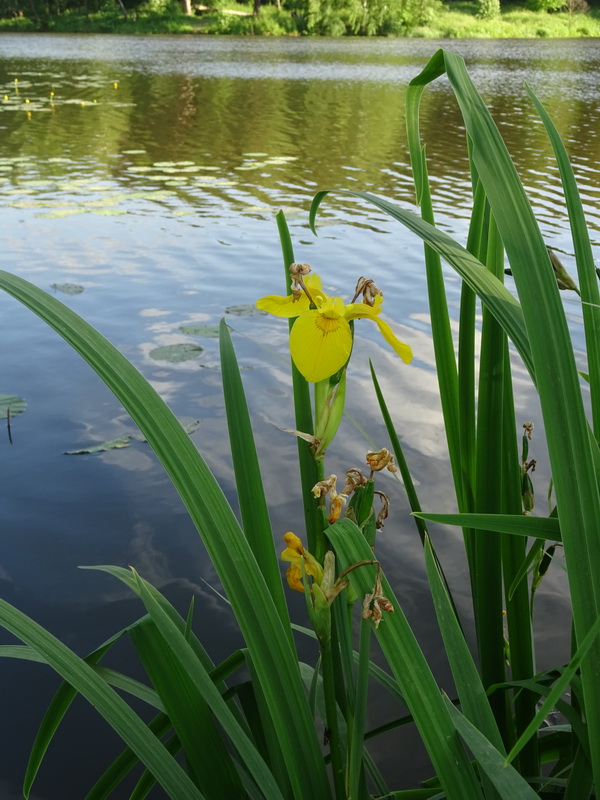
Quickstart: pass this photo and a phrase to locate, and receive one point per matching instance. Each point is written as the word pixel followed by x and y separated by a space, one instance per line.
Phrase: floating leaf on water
pixel 183 212
pixel 246 167
pixel 249 310
pixel 133 152
pixel 9 401
pixel 67 288
pixel 185 351
pixel 64 212
pixel 281 159
pixel 255 155
pixel 109 212
pixel 112 444
pixel 204 331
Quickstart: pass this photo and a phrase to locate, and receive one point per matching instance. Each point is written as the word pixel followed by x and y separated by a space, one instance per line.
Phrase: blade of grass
pixel 557 691
pixel 248 478
pixel 206 755
pixel 505 778
pixel 193 674
pixel 517 524
pixel 471 692
pixel 126 761
pixel 588 282
pixel 117 713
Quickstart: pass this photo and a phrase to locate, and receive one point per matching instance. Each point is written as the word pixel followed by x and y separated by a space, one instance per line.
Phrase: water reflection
pixel 158 199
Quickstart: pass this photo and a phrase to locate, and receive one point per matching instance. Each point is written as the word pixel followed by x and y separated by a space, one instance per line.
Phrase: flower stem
pixel 331 711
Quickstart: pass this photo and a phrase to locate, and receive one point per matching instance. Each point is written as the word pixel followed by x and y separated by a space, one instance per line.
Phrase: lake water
pixel 146 172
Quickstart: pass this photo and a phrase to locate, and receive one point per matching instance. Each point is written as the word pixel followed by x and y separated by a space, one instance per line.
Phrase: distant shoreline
pixel 454 20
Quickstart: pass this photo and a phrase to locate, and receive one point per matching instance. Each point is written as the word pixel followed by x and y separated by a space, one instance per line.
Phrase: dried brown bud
pixel 381 459
pixel 354 479
pixel 368 289
pixel 528 426
pixel 321 488
pixel 383 511
pixel 375 603
pixel 299 270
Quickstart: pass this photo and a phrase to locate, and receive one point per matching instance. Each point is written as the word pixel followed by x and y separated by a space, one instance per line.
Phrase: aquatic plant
pixel 258 736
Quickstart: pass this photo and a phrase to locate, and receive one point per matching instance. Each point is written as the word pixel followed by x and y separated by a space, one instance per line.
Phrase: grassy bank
pixel 455 19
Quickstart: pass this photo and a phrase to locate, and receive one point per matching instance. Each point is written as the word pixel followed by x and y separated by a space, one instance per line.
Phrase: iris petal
pixel 320 344
pixel 403 350
pixel 283 306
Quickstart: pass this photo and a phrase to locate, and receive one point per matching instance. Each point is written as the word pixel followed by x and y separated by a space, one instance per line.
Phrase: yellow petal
pixel 320 344
pixel 294 578
pixel 283 306
pixel 359 310
pixel 403 350
pixel 288 306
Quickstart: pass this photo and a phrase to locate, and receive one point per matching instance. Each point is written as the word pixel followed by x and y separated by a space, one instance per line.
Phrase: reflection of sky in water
pixel 159 201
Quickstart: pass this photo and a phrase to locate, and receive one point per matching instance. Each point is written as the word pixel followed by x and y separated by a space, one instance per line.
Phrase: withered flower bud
pixel 528 427
pixel 384 510
pixel 299 270
pixel 354 479
pixel 368 289
pixel 375 603
pixel 321 488
pixel 381 459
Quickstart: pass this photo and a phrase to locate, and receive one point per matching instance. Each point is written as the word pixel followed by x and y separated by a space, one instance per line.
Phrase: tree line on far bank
pixel 323 17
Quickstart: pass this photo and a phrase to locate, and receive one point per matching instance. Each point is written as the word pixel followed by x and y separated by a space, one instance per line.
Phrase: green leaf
pixel 518 524
pixel 206 755
pixel 111 444
pixel 272 655
pixel 184 351
pixel 115 710
pixel 505 778
pixel 10 404
pixel 67 288
pixel 203 331
pixel 248 477
pixel 245 311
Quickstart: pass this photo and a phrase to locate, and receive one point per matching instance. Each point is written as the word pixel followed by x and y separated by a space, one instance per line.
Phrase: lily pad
pixel 67 288
pixel 112 444
pixel 204 331
pixel 9 402
pixel 185 351
pixel 245 311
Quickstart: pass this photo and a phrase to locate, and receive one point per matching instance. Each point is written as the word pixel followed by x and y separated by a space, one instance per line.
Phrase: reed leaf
pixel 257 616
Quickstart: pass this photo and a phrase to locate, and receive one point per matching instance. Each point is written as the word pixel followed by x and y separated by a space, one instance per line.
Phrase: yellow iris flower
pixel 321 338
pixel 295 552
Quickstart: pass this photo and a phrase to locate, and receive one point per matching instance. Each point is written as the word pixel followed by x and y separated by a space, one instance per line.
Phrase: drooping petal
pixel 320 344
pixel 294 578
pixel 362 310
pixel 403 350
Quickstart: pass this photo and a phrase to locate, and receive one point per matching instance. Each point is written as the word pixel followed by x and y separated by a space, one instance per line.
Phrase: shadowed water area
pixel 139 179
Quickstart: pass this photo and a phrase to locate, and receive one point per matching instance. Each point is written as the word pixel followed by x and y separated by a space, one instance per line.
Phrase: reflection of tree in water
pixel 341 134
